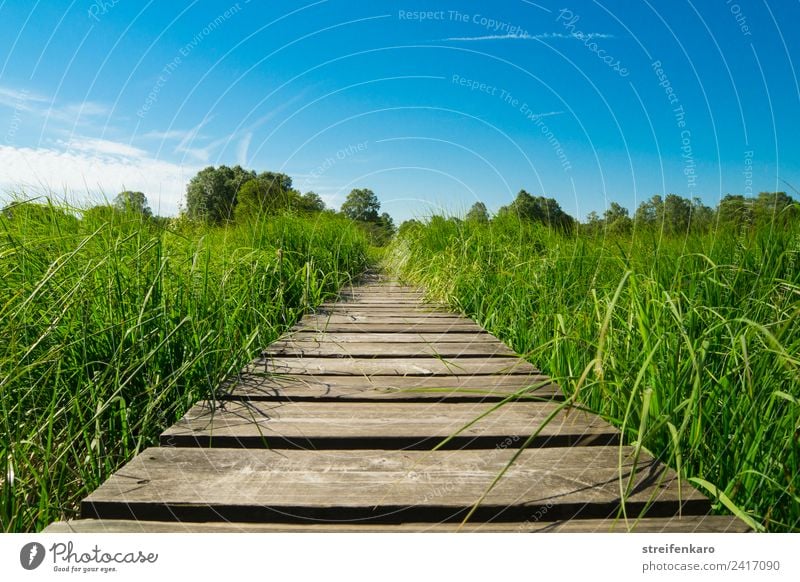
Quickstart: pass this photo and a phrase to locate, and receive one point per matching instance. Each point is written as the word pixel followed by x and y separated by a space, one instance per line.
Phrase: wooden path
pixel 332 429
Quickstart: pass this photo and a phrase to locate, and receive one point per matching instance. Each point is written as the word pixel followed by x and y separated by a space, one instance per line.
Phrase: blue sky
pixel 433 105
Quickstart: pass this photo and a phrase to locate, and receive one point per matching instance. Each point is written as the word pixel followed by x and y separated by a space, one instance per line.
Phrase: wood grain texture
pixel 314 425
pixel 371 293
pixel 327 349
pixel 332 429
pixel 381 318
pixel 321 324
pixel 190 484
pixel 393 366
pixel 467 337
pixel 383 289
pixel 357 313
pixel 256 385
pixel 383 308
pixel 684 524
pixel 381 300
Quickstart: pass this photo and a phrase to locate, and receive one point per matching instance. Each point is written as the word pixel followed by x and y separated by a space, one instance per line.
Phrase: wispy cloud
pixel 241 150
pixel 94 167
pixel 187 143
pixel 44 107
pixel 169 135
pixel 543 36
pixel 545 114
pixel 74 112
pixel 20 99
pixel 78 164
pixel 102 147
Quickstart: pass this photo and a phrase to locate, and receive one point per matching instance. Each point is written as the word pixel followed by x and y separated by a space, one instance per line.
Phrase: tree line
pixel 672 214
pixel 218 195
pixel 224 195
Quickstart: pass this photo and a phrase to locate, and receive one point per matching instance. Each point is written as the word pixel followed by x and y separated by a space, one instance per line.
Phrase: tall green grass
pixel 112 325
pixel 691 345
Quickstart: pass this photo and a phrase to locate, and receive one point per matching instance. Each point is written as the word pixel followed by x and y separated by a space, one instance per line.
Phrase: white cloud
pixel 546 114
pixel 103 147
pixel 94 168
pixel 241 150
pixel 171 134
pixel 41 106
pixel 76 112
pixel 184 147
pixel 20 100
pixel 543 36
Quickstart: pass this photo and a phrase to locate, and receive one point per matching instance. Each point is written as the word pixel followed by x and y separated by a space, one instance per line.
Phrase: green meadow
pixel 113 323
pixel 686 339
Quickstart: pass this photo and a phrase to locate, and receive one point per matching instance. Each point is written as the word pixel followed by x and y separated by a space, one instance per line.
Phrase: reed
pixel 113 324
pixel 689 344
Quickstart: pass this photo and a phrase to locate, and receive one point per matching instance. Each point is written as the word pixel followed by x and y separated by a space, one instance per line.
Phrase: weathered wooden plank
pixel 468 337
pixel 323 325
pixel 687 524
pixel 381 300
pixel 191 484
pixel 385 307
pixel 315 425
pixel 444 321
pixel 397 366
pixel 256 385
pixel 384 288
pixel 313 348
pixel 355 385
pixel 388 312
pixel 380 293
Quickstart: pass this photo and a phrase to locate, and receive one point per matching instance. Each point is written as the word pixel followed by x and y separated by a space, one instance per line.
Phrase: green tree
pixel 362 204
pixel 650 212
pixel 129 201
pixel 593 224
pixel 677 213
pixel 539 209
pixel 478 213
pixel 387 223
pixel 773 207
pixel 409 225
pixel 311 202
pixel 616 219
pixel 734 210
pixel 265 194
pixel 381 231
pixel 211 195
pixel 702 216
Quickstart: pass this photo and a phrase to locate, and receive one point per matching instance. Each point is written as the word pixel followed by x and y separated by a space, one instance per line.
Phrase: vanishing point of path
pixel 334 429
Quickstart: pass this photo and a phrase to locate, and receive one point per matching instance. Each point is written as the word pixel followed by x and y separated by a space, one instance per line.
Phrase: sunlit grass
pixel 111 326
pixel 691 343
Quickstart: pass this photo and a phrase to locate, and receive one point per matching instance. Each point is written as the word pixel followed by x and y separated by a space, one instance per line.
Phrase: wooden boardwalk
pixel 334 429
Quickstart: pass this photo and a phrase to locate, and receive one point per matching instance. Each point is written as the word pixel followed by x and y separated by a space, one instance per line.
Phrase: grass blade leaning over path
pixel 708 323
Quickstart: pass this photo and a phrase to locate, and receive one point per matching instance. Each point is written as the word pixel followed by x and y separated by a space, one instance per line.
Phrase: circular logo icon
pixel 31 555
